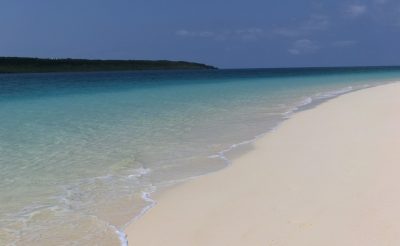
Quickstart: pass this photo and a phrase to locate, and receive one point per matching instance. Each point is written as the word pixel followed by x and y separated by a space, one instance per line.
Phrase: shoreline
pixel 229 154
pixel 200 190
pixel 236 150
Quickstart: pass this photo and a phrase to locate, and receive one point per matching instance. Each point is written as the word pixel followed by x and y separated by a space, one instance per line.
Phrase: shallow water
pixel 79 153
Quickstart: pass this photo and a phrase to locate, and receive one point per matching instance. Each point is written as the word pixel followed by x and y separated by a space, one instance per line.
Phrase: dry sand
pixel 327 176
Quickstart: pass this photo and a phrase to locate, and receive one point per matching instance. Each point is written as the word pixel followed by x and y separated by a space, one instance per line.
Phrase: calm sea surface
pixel 81 154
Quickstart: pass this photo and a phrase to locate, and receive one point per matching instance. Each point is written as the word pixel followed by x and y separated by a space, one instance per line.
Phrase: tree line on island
pixel 40 65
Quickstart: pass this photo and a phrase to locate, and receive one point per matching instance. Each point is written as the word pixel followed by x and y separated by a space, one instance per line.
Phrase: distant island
pixel 39 65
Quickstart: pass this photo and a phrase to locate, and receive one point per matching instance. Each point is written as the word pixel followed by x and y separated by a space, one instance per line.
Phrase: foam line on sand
pixel 327 176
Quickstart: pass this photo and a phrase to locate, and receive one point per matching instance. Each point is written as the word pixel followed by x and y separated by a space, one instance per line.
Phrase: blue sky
pixel 227 34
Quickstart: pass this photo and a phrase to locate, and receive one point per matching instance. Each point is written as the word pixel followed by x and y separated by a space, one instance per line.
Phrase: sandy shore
pixel 328 176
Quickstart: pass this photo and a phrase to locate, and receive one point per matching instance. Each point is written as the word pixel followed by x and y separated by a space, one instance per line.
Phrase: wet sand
pixel 327 176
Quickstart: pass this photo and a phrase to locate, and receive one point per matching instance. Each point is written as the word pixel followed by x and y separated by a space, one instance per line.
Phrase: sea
pixel 82 155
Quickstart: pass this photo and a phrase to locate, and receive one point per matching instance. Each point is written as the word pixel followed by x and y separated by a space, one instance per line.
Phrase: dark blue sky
pixel 228 34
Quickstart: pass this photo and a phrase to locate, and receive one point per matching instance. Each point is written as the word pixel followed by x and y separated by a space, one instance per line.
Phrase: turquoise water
pixel 81 154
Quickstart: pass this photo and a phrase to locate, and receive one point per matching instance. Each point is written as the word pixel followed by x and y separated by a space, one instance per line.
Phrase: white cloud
pixel 344 43
pixel 186 33
pixel 380 1
pixel 356 10
pixel 314 23
pixel 287 32
pixel 182 33
pixel 250 33
pixel 243 34
pixel 303 46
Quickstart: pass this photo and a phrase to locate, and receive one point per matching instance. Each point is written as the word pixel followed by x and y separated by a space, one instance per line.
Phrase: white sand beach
pixel 327 176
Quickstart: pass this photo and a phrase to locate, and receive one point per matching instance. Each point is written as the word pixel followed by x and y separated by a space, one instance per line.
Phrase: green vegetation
pixel 38 65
